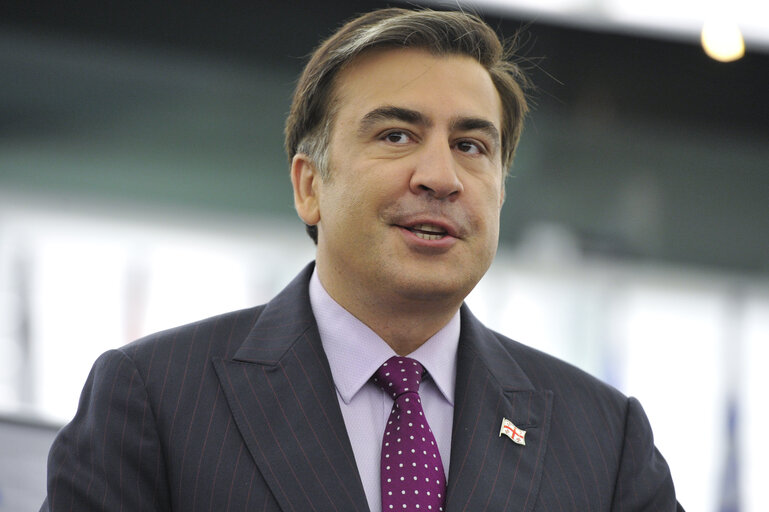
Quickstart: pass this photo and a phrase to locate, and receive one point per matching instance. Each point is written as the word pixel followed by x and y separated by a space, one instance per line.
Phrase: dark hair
pixel 313 107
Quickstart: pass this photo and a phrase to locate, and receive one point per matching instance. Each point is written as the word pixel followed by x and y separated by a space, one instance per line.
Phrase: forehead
pixel 441 87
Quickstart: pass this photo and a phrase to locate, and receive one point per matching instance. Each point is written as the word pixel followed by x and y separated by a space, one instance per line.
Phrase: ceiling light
pixel 722 40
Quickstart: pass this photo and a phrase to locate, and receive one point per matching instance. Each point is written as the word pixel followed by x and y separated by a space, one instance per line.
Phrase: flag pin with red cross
pixel 516 434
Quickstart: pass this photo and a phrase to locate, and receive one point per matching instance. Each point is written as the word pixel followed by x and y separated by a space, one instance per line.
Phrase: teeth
pixel 428 231
pixel 428 228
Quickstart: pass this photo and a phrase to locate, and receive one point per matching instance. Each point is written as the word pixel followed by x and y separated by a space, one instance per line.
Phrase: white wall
pixel 679 339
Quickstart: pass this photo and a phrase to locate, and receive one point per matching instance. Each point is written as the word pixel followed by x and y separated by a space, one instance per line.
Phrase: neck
pixel 404 323
pixel 406 329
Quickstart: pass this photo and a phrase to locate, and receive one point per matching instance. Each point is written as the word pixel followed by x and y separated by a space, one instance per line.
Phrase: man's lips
pixel 429 230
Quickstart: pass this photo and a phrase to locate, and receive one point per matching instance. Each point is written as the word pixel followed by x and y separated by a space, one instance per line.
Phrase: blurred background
pixel 143 184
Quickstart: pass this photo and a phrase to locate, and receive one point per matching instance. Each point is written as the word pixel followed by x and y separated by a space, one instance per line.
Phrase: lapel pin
pixel 513 432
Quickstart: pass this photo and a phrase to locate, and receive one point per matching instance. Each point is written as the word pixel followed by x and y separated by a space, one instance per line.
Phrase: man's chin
pixel 431 288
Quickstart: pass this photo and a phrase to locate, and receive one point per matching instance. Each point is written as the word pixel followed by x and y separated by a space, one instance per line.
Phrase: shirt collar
pixel 355 352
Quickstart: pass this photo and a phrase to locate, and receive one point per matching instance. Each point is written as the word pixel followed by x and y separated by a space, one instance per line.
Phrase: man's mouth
pixel 428 231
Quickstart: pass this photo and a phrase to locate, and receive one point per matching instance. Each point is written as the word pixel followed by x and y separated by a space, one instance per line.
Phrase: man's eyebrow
pixel 390 113
pixel 406 115
pixel 476 123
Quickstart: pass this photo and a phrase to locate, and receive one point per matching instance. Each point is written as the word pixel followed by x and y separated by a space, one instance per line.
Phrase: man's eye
pixel 397 137
pixel 469 147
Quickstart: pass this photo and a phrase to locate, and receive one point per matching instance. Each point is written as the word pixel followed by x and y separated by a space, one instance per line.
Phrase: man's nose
pixel 436 172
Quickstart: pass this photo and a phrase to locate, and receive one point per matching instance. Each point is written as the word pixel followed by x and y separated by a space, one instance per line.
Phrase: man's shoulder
pixel 216 336
pixel 196 344
pixel 549 372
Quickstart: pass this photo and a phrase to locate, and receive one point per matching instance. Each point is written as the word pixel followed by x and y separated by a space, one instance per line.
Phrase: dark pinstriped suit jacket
pixel 239 412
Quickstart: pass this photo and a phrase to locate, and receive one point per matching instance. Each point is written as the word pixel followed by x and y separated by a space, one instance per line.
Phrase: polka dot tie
pixel 411 468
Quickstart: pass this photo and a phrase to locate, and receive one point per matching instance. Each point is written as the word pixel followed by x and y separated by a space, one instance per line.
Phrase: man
pixel 400 133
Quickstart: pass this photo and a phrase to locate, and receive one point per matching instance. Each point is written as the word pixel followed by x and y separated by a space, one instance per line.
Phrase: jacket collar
pixel 489 471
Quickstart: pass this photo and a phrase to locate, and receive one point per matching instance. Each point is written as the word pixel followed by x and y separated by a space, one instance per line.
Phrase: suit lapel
pixel 282 395
pixel 489 472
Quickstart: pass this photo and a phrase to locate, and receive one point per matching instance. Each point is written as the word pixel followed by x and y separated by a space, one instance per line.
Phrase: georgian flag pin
pixel 513 432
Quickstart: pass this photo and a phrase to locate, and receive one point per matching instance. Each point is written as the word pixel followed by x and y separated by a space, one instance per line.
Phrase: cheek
pixel 491 224
pixel 342 204
pixel 491 198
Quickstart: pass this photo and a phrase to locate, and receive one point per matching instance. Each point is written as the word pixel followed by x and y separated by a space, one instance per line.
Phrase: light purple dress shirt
pixel 354 353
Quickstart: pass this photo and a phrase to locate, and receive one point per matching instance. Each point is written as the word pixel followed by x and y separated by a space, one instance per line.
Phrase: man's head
pixel 311 119
pixel 399 155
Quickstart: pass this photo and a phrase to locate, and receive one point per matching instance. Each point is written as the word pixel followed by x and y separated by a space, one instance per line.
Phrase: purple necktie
pixel 411 468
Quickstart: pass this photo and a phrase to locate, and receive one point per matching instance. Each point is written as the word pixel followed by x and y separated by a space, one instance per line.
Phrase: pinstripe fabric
pixel 588 447
pixel 239 412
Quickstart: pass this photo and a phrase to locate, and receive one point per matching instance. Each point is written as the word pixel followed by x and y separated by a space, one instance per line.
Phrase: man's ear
pixel 305 179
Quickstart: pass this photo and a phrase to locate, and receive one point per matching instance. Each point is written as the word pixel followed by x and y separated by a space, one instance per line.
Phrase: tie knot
pixel 399 375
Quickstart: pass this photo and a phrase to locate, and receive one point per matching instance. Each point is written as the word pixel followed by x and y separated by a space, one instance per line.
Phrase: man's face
pixel 410 209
